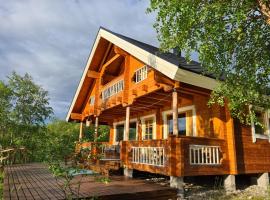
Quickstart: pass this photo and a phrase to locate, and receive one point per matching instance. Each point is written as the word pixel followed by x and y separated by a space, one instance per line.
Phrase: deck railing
pixel 177 156
pixel 148 155
pixel 204 155
pixel 99 150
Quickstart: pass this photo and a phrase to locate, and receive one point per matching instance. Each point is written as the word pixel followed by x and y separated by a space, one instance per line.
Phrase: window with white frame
pixel 148 132
pixel 141 74
pixel 92 100
pixel 261 128
pixel 112 90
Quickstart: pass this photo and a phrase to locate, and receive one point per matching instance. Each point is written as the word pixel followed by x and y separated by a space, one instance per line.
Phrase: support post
pixel 81 132
pixel 96 129
pixel 127 123
pixel 263 180
pixel 229 183
pixel 128 172
pixel 175 111
pixel 178 183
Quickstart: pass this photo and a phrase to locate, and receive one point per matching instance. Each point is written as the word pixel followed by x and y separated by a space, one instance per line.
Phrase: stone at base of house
pixel 229 183
pixel 178 183
pixel 128 172
pixel 263 180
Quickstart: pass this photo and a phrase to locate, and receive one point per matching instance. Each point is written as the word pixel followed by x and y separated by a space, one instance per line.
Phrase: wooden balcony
pixel 177 156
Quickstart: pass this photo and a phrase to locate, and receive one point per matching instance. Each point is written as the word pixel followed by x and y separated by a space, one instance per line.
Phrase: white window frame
pixel 123 123
pixel 266 117
pixel 142 73
pixel 147 117
pixel 180 110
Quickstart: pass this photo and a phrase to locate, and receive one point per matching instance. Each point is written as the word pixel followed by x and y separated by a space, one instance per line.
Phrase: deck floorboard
pixel 35 182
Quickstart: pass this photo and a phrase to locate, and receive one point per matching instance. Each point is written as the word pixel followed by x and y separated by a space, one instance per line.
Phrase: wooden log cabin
pixel 156 107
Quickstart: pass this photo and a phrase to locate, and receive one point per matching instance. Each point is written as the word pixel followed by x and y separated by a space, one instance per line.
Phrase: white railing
pixel 92 100
pixel 141 74
pixel 204 155
pixel 112 90
pixel 148 155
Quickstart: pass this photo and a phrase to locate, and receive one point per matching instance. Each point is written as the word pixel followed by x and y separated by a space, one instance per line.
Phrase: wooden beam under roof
pixel 109 62
pixel 76 116
pixel 93 74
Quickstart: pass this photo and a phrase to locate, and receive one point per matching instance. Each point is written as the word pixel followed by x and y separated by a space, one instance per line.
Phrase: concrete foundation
pixel 263 180
pixel 128 172
pixel 229 183
pixel 178 183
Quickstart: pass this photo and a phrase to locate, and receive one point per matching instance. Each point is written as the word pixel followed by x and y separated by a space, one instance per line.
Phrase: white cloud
pixel 51 39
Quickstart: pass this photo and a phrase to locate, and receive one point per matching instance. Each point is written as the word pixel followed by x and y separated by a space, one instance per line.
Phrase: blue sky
pixel 52 39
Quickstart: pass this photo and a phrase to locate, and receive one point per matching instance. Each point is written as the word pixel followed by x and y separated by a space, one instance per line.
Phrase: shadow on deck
pixel 34 181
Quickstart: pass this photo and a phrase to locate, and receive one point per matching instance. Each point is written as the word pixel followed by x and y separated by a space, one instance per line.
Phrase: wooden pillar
pixel 81 132
pixel 127 123
pixel 175 112
pixel 96 129
pixel 139 129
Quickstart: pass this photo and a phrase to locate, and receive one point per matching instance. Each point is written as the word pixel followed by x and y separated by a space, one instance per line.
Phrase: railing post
pixel 175 111
pixel 126 136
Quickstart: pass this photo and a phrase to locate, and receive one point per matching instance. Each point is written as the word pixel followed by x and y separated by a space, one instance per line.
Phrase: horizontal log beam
pixel 93 74
pixel 76 116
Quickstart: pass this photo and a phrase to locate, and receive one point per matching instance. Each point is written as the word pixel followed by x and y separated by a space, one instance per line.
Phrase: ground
pixel 202 192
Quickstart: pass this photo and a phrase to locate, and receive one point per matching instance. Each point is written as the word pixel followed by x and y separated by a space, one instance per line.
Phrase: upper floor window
pixel 92 100
pixel 141 74
pixel 112 90
pixel 261 128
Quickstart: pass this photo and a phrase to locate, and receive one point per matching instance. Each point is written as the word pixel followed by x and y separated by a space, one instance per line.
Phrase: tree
pixel 232 39
pixel 30 101
pixel 5 107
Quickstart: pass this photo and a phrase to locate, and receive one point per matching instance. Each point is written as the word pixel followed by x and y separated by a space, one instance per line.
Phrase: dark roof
pixel 181 62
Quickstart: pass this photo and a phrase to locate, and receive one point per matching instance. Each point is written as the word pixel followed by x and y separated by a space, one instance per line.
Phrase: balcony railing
pixel 113 89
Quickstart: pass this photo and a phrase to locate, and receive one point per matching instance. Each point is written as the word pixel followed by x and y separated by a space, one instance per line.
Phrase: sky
pixel 51 39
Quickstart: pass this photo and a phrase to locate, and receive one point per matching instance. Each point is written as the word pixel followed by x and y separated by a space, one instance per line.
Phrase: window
pixel 132 131
pixel 261 128
pixel 92 100
pixel 141 74
pixel 148 134
pixel 184 123
pixel 119 133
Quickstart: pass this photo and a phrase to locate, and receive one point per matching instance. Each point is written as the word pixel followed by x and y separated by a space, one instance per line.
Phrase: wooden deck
pixel 34 181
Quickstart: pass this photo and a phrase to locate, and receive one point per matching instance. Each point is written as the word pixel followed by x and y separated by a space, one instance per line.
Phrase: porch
pixel 176 156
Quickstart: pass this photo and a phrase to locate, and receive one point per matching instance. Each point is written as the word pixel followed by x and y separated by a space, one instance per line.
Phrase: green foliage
pixel 30 101
pixel 24 109
pixel 56 142
pixel 232 39
pixel 64 173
